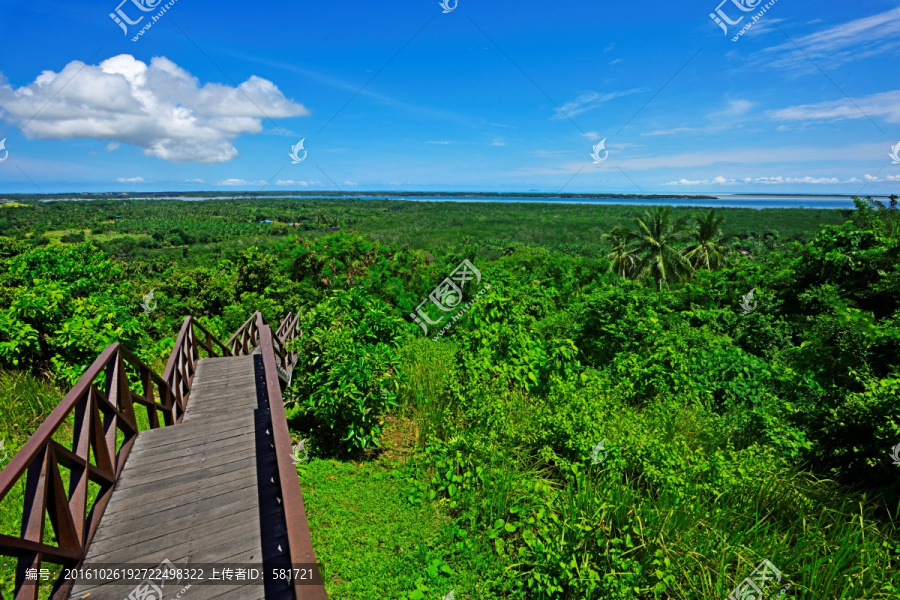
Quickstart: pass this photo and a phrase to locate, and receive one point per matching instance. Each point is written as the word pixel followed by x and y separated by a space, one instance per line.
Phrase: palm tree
pixel 708 249
pixel 624 261
pixel 655 243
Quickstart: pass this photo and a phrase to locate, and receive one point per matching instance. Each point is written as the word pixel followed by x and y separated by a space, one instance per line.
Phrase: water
pixel 721 201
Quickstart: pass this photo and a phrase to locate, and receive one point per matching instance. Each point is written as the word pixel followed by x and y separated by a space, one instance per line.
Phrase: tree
pixel 708 249
pixel 624 261
pixel 655 243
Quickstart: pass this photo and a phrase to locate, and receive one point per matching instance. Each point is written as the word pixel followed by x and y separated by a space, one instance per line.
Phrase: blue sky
pixel 492 96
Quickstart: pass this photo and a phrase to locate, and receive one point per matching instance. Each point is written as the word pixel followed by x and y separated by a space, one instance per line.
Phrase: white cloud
pixel 885 105
pixel 442 143
pixel 548 153
pixel 130 180
pixel 300 183
pixel 591 100
pixel 844 43
pixel 874 178
pixel 757 180
pixel 726 118
pixel 673 131
pixel 233 182
pixel 735 108
pixel 349 183
pixel 161 108
pixel 112 146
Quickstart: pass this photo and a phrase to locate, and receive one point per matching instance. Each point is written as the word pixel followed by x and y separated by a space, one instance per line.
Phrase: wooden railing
pixel 183 361
pixel 246 340
pixel 105 426
pixel 299 544
pixel 255 336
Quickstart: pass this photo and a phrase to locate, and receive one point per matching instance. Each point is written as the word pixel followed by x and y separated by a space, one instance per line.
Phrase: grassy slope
pixel 372 541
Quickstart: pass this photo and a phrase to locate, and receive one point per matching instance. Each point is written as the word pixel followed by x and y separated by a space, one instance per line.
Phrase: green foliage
pixel 708 249
pixel 728 437
pixel 347 376
pixel 63 306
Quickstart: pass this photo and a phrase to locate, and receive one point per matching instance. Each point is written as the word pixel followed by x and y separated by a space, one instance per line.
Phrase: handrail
pixel 179 372
pixel 99 417
pixel 299 544
pixel 246 340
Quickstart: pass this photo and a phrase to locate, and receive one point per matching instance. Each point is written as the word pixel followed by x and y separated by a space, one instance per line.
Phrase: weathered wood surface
pixel 202 492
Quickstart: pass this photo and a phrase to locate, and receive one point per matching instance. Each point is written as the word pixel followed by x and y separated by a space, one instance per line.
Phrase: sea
pixel 753 201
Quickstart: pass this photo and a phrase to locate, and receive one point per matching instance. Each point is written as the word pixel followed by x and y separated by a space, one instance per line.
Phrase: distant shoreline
pixel 753 201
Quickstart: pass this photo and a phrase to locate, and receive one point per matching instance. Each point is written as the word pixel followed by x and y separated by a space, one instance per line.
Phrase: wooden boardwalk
pixel 200 493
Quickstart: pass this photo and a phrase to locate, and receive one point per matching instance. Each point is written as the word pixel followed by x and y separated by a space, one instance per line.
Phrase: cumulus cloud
pixel 159 107
pixel 130 180
pixel 874 178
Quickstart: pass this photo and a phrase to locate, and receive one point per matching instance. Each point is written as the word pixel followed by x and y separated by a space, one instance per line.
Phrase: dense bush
pixel 728 436
pixel 347 376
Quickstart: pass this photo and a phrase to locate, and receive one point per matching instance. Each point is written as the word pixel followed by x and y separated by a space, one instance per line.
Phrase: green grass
pixel 25 401
pixel 56 236
pixel 375 542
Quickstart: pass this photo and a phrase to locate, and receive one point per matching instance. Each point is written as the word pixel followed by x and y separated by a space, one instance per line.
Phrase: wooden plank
pixel 192 491
pixel 234 449
pixel 185 516
pixel 175 434
pixel 169 501
pixel 189 480
pixel 241 532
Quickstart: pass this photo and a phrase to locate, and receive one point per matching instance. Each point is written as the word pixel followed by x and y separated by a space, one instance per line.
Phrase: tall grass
pixel 678 510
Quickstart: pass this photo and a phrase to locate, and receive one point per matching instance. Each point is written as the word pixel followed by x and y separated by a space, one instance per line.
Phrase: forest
pixel 636 401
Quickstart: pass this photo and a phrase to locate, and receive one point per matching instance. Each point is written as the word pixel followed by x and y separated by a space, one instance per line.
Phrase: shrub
pixel 347 377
